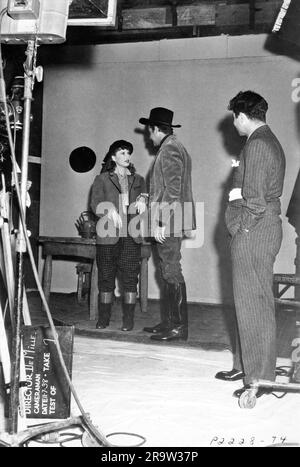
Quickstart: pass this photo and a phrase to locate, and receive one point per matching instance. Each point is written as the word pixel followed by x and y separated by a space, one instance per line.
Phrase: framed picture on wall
pixel 92 13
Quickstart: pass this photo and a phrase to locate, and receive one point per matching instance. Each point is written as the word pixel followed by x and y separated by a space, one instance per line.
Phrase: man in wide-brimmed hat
pixel 172 216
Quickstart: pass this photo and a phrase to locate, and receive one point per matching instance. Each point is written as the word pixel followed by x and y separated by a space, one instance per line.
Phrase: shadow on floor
pixel 208 323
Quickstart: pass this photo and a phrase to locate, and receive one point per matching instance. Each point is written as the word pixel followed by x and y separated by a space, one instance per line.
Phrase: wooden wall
pixel 96 94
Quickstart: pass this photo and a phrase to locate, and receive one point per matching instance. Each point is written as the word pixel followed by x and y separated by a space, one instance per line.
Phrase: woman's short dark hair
pixel 251 104
pixel 108 164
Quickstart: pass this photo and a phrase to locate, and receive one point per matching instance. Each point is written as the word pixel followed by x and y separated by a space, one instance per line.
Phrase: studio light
pixel 45 20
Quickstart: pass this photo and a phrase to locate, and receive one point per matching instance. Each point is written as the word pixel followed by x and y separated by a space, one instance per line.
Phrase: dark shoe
pixel 177 328
pixel 100 325
pixel 260 391
pixel 128 316
pixel 103 315
pixel 177 333
pixel 127 325
pixel 161 327
pixel 103 322
pixel 165 317
pixel 233 375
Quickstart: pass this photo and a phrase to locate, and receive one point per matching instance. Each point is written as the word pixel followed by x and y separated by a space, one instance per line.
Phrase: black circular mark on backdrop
pixel 82 159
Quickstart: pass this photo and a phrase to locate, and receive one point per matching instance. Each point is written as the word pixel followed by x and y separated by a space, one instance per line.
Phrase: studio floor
pixel 167 394
pixel 211 327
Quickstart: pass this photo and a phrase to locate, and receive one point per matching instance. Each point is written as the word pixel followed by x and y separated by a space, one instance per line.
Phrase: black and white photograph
pixel 149 226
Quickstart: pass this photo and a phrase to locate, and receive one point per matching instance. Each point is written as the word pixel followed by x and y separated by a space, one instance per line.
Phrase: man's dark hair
pixel 251 104
pixel 166 129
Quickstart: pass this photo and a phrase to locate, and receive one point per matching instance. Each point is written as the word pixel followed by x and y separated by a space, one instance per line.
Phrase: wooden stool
pixel 84 281
pixel 288 280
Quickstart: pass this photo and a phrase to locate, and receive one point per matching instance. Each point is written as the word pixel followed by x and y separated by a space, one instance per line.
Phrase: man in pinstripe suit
pixel 253 220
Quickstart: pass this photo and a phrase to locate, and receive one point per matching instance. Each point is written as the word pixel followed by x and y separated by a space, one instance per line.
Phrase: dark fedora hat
pixel 159 116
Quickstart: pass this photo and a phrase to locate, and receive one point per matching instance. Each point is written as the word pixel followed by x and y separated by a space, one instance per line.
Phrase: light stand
pixel 29 79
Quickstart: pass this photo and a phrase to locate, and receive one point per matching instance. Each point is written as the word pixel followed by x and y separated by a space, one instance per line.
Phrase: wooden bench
pixel 70 247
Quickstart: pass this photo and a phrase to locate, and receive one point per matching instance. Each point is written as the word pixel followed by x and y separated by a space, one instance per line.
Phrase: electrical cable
pixel 68 440
pixel 279 397
pixel 284 371
pixel 95 432
pixel 58 439
pixel 124 433
pixel 53 438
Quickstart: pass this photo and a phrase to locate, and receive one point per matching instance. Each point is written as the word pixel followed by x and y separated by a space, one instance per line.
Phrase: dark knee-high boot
pixel 178 328
pixel 129 301
pixel 104 311
pixel 164 313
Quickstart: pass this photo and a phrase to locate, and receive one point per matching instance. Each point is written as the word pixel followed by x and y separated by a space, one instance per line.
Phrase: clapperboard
pixel 47 393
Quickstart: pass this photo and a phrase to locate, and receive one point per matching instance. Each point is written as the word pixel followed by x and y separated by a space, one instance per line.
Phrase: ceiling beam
pixel 145 20
pixel 138 35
